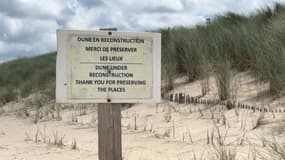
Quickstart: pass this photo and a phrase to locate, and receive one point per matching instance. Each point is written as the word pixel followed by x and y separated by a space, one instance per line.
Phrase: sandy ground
pixel 165 131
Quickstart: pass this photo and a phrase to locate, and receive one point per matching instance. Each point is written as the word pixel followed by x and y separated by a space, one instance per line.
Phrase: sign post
pixel 108 68
pixel 109 131
pixel 109 138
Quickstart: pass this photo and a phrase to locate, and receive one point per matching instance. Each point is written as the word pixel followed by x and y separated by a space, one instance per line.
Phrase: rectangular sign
pixel 108 66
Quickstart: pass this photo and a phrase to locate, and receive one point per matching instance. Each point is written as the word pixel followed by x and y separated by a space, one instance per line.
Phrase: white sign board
pixel 108 66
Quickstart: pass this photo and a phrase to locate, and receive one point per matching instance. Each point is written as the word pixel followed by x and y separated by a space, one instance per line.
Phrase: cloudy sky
pixel 27 27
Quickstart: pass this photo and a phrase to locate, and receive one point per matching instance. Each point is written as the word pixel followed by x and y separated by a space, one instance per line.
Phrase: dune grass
pixel 231 41
pixel 27 75
pixel 169 60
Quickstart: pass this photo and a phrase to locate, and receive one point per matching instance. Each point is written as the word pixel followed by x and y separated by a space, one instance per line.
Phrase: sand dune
pixel 162 131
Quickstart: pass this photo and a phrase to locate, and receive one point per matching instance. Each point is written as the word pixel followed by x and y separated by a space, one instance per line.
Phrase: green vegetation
pixel 169 63
pixel 228 42
pixel 24 76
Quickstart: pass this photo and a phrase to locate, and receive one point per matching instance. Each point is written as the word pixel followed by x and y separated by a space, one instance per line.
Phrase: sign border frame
pixel 62 70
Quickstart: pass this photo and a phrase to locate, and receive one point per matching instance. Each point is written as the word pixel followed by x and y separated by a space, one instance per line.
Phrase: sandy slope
pixel 164 131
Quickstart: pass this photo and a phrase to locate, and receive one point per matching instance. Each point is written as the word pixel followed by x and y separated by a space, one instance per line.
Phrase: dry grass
pixel 167 115
pixel 190 137
pixel 135 122
pixel 205 86
pixel 275 150
pixel 167 133
pixel 223 153
pixel 74 144
pixel 258 121
pixel 58 140
pixel 217 135
pixel 173 129
pixel 28 138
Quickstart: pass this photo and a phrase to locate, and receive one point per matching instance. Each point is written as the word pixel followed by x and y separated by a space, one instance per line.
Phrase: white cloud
pixel 98 17
pixel 158 20
pixel 25 31
pixel 2 45
pixel 9 26
pixel 150 5
pixel 32 8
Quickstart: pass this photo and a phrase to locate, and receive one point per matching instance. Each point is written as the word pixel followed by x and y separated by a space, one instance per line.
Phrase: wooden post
pixel 109 127
pixel 109 131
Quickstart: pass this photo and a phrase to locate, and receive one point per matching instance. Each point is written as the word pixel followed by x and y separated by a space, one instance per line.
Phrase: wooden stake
pixel 109 131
